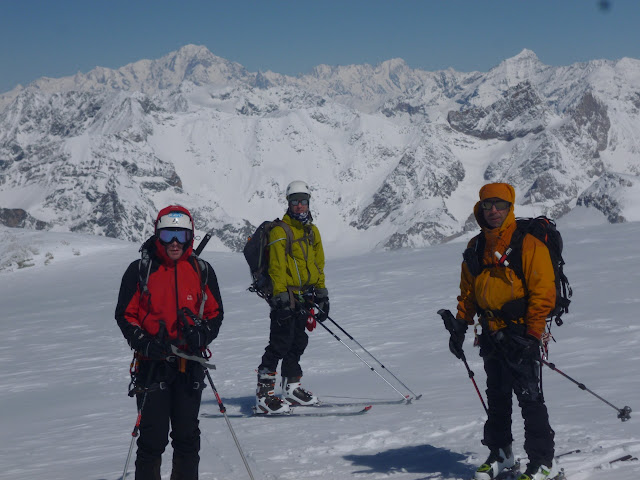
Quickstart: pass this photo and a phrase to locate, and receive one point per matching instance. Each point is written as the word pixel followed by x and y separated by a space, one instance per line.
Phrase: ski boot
pixel 266 401
pixel 540 472
pixel 498 460
pixel 294 394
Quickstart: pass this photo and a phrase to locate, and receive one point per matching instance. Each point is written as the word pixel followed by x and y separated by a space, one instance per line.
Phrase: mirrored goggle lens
pixel 299 202
pixel 500 205
pixel 181 236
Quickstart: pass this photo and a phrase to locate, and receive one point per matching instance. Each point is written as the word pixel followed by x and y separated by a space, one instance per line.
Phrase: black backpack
pixel 544 229
pixel 256 252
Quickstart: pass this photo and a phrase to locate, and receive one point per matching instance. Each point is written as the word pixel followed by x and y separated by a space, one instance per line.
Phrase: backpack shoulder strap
pixel 289 234
pixel 515 259
pixel 473 255
pixel 201 269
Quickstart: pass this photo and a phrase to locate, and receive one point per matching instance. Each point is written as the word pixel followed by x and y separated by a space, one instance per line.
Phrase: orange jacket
pixel 498 285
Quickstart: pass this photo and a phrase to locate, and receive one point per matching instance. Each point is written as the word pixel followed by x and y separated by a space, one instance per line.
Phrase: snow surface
pixel 66 415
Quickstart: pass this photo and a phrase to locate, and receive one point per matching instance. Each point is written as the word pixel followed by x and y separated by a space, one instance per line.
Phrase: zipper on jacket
pixel 175 270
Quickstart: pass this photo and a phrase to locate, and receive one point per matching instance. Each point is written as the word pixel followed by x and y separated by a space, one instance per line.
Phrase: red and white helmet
pixel 174 216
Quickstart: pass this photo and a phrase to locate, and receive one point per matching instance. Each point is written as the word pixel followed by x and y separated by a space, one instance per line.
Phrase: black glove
pixel 457 328
pixel 455 345
pixel 148 346
pixel 522 346
pixel 280 301
pixel 322 301
pixel 281 310
pixel 196 337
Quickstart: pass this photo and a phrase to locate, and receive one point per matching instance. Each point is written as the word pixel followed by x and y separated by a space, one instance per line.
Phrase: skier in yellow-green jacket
pixel 296 269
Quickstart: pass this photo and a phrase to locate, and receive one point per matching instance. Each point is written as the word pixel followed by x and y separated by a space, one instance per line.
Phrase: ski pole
pixel 136 427
pixel 471 375
pixel 406 397
pixel 624 413
pixel 371 355
pixel 223 409
pixel 448 315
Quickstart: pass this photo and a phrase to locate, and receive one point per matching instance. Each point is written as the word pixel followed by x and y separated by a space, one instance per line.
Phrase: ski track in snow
pixel 66 415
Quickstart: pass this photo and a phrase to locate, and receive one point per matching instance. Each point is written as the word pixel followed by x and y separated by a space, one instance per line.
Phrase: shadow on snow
pixel 245 403
pixel 424 459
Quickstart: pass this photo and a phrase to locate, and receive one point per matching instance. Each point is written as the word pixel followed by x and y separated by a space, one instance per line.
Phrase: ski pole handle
pixel 450 324
pixel 448 319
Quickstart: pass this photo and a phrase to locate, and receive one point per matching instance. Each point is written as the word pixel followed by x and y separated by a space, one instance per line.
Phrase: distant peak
pixel 191 49
pixel 524 63
pixel 195 52
pixel 393 63
pixel 526 54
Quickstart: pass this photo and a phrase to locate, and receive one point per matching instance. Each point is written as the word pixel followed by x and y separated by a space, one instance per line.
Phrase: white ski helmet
pixel 298 186
pixel 174 216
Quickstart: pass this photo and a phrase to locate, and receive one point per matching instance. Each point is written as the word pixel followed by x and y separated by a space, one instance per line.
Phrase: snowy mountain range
pixel 394 155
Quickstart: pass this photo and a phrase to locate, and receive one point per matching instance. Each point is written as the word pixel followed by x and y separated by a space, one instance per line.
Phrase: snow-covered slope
pixel 394 155
pixel 66 414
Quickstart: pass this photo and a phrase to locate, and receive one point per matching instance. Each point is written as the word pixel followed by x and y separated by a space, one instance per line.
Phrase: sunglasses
pixel 295 203
pixel 499 204
pixel 181 236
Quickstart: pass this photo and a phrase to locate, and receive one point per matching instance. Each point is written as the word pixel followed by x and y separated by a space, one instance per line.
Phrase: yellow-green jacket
pixel 302 266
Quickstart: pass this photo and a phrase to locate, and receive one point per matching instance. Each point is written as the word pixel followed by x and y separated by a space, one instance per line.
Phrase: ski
pixel 508 473
pixel 513 474
pixel 306 412
pixel 568 453
pixel 353 404
pixel 625 458
pixel 295 413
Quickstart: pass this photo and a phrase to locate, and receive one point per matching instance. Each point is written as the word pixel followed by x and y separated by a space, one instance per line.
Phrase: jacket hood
pixel 503 191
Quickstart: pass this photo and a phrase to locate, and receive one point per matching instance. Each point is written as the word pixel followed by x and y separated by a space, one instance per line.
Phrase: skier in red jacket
pixel 169 296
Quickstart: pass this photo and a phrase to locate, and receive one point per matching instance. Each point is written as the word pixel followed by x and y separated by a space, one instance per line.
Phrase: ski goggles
pixel 295 203
pixel 499 204
pixel 180 235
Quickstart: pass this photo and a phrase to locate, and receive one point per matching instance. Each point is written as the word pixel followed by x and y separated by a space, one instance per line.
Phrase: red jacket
pixel 171 287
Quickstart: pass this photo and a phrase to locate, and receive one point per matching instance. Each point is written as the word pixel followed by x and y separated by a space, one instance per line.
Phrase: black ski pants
pixel 287 342
pixel 178 405
pixel 503 379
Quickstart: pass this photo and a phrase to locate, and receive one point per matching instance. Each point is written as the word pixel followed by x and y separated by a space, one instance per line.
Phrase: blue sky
pixel 60 38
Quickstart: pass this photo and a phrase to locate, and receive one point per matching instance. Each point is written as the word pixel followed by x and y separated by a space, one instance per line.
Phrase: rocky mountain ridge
pixel 394 155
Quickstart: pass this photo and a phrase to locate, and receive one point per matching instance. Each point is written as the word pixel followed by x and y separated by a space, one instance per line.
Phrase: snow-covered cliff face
pixel 394 156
